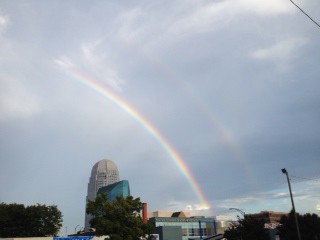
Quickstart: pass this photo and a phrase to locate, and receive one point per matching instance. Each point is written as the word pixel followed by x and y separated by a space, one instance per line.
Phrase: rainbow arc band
pixel 202 106
pixel 86 80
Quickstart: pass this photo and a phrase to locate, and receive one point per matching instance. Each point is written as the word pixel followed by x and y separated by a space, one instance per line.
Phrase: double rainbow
pixel 88 81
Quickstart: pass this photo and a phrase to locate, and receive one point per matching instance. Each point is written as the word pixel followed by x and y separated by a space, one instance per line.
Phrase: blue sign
pixel 73 238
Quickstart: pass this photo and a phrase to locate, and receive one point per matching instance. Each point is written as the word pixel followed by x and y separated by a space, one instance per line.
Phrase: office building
pixel 103 173
pixel 185 228
pixel 116 189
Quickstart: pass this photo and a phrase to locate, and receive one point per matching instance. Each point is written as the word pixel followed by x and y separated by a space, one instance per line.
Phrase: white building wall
pixel 31 238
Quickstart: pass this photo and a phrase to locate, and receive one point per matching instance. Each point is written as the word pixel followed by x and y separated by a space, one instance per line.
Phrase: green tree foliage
pixel 117 218
pixel 309 226
pixel 32 221
pixel 248 229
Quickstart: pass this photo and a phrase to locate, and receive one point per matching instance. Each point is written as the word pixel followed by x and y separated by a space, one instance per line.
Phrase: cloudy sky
pixel 231 85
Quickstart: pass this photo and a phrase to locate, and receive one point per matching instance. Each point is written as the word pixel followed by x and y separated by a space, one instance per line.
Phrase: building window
pixel 184 232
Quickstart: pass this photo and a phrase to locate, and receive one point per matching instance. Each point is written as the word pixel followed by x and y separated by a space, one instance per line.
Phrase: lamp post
pixel 284 171
pixel 239 210
pixel 75 230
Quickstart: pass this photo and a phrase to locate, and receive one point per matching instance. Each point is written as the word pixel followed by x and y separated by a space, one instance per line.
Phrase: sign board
pixel 155 237
pixel 271 225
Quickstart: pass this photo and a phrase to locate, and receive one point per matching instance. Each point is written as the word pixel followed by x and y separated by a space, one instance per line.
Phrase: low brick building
pixel 268 216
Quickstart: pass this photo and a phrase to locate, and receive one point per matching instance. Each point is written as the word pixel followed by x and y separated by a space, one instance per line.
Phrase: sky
pixel 199 103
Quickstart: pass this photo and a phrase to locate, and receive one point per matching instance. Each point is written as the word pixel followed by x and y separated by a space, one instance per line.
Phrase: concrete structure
pixel 116 189
pixel 223 218
pixel 103 173
pixel 168 232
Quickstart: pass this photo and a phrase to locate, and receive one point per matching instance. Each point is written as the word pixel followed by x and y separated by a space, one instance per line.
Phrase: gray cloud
pixel 231 85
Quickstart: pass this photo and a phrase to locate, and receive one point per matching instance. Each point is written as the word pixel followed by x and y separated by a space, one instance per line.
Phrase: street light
pixel 75 230
pixel 284 171
pixel 239 210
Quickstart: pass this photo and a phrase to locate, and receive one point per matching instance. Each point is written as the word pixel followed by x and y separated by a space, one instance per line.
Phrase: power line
pixel 308 179
pixel 305 13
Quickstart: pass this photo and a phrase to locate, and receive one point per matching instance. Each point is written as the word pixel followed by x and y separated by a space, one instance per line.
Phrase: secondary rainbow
pixel 147 125
pixel 203 107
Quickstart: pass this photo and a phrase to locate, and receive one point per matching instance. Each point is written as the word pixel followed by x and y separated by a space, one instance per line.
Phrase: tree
pixel 248 229
pixel 119 218
pixel 309 226
pixel 44 220
pixel 32 221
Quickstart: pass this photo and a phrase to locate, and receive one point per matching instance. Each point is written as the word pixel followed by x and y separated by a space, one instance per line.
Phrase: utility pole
pixel 293 208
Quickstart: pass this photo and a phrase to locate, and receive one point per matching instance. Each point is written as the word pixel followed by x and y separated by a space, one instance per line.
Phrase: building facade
pixel 116 189
pixel 103 173
pixel 268 216
pixel 188 227
pixel 165 214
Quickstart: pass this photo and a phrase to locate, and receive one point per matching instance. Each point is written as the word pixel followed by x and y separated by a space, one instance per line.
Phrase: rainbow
pixel 85 79
pixel 201 106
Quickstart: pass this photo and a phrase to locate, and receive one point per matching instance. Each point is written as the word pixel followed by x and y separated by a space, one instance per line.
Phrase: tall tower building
pixel 103 173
